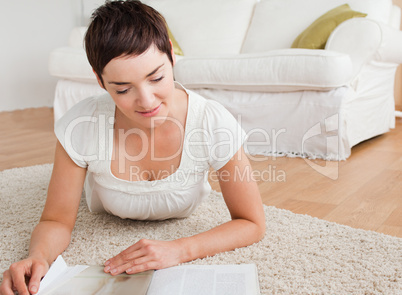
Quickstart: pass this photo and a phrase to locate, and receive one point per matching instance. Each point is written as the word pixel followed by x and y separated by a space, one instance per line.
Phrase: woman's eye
pixel 158 79
pixel 121 91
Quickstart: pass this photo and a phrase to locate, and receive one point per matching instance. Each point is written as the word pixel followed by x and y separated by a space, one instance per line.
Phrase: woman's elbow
pixel 259 230
pixel 261 227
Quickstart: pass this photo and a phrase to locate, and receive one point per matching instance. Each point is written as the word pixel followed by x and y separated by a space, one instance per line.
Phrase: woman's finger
pixel 148 265
pixel 143 260
pixel 38 272
pixel 6 287
pixel 143 263
pixel 17 272
pixel 122 268
pixel 115 269
pixel 131 253
pixel 144 255
pixel 119 261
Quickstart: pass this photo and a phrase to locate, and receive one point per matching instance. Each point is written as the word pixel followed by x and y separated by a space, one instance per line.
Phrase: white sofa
pixel 294 102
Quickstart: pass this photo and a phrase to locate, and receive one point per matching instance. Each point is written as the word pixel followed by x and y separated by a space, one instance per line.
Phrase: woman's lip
pixel 151 113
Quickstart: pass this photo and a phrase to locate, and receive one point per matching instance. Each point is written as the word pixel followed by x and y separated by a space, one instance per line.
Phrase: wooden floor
pixel 367 193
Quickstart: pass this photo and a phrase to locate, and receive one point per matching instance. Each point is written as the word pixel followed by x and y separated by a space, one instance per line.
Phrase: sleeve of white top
pixel 225 134
pixel 75 131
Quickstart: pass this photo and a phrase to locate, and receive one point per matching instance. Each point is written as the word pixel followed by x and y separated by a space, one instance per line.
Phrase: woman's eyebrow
pixel 119 83
pixel 154 71
pixel 150 74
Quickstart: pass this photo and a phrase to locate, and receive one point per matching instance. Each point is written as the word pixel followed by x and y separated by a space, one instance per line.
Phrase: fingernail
pixel 107 263
pixel 107 268
pixel 114 271
pixel 129 270
pixel 34 289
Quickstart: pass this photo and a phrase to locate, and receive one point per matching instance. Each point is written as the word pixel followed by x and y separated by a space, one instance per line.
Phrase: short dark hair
pixel 120 28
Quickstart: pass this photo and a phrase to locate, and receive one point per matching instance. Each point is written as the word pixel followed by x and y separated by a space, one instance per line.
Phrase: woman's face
pixel 142 88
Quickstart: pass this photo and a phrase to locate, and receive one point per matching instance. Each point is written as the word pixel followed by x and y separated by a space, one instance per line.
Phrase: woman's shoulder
pixel 86 116
pixel 209 105
pixel 91 105
pixel 204 110
pixel 78 131
pixel 88 109
pixel 205 106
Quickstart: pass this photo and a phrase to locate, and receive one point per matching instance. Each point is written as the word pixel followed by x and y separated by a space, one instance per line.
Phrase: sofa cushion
pixel 274 71
pixel 277 23
pixel 316 35
pixel 207 26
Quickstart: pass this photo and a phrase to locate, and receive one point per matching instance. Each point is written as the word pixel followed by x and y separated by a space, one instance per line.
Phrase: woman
pixel 142 151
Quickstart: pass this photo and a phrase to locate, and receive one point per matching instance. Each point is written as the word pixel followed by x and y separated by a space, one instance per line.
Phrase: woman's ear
pixel 172 52
pixel 100 81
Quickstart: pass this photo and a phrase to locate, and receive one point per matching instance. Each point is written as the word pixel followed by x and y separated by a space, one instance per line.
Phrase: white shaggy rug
pixel 299 254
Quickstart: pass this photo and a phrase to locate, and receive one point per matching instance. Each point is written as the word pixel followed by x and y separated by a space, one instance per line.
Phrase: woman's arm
pixel 52 234
pixel 243 200
pixel 247 226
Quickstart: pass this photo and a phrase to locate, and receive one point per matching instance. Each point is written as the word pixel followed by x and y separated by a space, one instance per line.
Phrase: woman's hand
pixel 24 277
pixel 146 255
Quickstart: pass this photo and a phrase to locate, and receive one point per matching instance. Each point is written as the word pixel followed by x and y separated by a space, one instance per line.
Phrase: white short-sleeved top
pixel 212 136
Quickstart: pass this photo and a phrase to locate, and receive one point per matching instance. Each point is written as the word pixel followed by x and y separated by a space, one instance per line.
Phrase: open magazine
pixel 238 279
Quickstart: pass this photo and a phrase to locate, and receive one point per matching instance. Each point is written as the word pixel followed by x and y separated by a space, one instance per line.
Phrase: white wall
pixel 29 30
pixel 88 6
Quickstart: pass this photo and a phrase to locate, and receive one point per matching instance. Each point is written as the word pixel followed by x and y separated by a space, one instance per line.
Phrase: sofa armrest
pixel 364 40
pixel 71 64
pixel 274 71
pixel 391 45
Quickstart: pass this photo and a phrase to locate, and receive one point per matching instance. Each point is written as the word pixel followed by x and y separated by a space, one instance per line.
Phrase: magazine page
pixel 239 279
pixel 85 280
pixel 58 274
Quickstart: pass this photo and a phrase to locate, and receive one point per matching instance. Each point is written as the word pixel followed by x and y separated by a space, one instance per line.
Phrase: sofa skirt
pixel 310 124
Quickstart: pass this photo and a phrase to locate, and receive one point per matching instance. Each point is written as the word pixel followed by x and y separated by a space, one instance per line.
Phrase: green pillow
pixel 176 48
pixel 316 35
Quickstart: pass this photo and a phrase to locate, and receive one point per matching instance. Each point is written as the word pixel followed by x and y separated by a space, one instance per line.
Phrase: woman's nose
pixel 146 99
